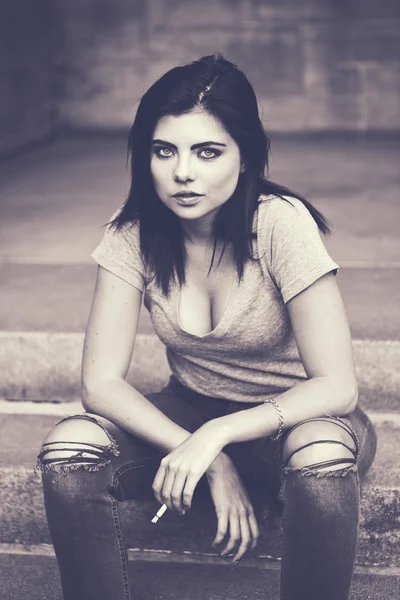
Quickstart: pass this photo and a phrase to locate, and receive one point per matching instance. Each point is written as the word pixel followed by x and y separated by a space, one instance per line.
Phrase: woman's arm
pixel 323 339
pixel 109 342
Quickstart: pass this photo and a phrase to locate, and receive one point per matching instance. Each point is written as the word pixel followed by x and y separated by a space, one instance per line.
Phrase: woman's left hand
pixel 181 469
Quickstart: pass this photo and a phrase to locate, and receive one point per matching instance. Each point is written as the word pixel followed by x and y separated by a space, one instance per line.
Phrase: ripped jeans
pixel 314 471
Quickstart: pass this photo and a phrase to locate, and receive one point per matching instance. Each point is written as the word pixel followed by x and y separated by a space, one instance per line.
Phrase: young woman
pixel 243 294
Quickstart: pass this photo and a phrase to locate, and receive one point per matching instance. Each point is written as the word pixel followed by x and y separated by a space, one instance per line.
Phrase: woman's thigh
pixel 262 461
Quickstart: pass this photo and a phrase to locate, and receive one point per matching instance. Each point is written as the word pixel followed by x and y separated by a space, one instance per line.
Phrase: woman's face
pixel 193 154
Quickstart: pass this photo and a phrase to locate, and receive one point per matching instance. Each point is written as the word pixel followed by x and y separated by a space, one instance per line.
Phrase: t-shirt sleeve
pixel 119 253
pixel 296 256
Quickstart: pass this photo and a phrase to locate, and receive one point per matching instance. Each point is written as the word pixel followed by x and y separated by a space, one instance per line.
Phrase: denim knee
pixel 320 447
pixel 76 442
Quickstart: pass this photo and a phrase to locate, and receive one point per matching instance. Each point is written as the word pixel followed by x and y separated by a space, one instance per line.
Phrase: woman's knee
pixel 77 441
pixel 318 446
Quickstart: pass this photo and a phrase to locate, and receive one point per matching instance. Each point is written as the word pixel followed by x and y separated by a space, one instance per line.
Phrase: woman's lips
pixel 187 200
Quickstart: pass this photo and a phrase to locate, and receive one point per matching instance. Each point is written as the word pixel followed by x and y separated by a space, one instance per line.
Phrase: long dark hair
pixel 220 88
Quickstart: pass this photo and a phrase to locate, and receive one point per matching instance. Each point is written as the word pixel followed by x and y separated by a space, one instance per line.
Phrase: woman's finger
pixel 234 533
pixel 188 491
pixel 222 527
pixel 245 538
pixel 176 493
pixel 255 532
pixel 167 486
pixel 158 482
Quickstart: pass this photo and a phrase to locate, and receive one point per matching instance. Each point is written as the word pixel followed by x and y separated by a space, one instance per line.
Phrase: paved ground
pixel 36 578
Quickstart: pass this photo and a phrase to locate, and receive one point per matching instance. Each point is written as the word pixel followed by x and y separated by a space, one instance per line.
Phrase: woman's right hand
pixel 233 507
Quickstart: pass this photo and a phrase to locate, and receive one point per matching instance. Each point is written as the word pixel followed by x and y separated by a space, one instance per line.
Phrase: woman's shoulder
pixel 284 212
pixel 120 240
pixel 119 252
pixel 274 205
pixel 272 209
pixel 280 218
pixel 129 231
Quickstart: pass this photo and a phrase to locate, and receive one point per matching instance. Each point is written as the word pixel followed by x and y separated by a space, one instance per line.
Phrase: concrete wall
pixel 28 47
pixel 315 64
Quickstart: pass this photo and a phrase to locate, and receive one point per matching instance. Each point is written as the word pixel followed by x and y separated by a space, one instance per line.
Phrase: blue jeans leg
pixel 81 502
pixel 83 484
pixel 320 522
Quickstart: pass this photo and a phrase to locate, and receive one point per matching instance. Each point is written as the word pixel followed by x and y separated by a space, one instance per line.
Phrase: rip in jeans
pixel 88 456
pixel 320 469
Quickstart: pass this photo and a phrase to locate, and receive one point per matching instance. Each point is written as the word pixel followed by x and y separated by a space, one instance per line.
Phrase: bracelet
pixel 280 417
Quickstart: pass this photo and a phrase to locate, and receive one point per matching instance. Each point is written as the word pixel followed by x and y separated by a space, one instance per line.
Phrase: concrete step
pixel 34 576
pixel 47 367
pixel 60 298
pixel 23 518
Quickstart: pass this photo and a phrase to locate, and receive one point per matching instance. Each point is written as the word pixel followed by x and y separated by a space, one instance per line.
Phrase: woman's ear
pixel 242 167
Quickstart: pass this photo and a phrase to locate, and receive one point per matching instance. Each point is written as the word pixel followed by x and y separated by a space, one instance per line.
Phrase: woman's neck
pixel 199 232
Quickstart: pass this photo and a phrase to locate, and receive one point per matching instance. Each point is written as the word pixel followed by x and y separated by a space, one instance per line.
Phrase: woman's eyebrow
pixel 194 147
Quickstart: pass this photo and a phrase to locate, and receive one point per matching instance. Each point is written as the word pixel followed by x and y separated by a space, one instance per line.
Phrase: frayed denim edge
pixel 69 466
pixel 315 472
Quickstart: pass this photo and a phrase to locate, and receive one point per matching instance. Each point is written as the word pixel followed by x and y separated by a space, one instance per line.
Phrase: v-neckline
pixel 220 322
pixel 217 328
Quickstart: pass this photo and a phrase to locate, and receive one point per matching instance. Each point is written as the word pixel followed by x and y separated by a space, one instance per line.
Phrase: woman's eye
pixel 209 153
pixel 163 152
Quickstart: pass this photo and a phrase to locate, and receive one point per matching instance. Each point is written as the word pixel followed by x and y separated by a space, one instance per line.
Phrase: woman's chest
pixel 205 296
pixel 221 314
pixel 203 302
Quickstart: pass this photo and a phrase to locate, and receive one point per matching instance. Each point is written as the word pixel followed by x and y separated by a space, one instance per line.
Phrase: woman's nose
pixel 184 171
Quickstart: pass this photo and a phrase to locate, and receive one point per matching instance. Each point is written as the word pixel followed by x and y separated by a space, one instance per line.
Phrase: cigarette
pixel 159 513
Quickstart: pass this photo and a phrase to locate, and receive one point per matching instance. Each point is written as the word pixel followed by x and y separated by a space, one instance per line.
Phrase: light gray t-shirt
pixel 251 355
